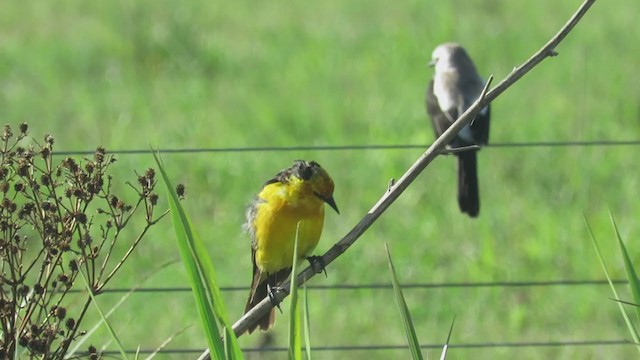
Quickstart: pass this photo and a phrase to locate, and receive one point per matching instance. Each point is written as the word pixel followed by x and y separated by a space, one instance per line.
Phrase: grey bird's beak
pixel 432 63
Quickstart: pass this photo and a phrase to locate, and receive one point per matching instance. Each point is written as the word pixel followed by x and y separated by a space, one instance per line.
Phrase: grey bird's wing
pixel 439 119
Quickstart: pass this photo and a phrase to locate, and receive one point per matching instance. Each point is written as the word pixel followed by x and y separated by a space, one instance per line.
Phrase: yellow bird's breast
pixel 280 209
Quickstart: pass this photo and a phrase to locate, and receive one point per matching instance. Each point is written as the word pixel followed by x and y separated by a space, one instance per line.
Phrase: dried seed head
pixel 6 132
pixel 150 174
pixel 37 346
pixel 63 278
pixel 38 289
pixel 70 323
pixel 60 312
pixel 142 180
pixel 64 246
pixel 47 206
pixel 23 128
pixel 181 191
pixel 70 164
pixel 98 182
pixel 23 168
pixel 77 192
pixel 45 180
pixel 45 152
pixel 113 201
pixel 99 155
pixel 23 341
pixel 18 187
pixel 81 217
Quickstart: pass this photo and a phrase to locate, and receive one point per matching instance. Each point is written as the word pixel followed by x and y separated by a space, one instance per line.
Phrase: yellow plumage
pixel 295 195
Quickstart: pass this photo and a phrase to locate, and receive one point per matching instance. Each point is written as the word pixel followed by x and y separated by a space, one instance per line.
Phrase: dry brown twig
pixel 391 194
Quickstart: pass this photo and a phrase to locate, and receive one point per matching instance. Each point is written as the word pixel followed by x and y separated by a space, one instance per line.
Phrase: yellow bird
pixel 295 195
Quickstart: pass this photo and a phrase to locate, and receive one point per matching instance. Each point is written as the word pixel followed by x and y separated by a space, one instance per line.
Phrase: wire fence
pixel 511 145
pixel 342 348
pixel 380 286
pixel 395 347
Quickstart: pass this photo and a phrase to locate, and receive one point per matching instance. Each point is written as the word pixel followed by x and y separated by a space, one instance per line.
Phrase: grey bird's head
pixel 452 57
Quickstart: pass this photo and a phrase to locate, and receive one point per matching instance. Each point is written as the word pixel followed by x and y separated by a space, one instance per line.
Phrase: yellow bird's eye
pixel 306 172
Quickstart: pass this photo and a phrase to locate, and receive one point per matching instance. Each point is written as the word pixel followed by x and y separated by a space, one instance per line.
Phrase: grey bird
pixel 454 88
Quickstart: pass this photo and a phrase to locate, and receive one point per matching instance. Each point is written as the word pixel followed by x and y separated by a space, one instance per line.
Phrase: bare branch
pixel 431 153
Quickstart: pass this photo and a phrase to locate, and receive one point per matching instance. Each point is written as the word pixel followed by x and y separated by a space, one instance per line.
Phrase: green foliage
pixel 405 315
pixel 295 329
pixel 306 323
pixel 202 278
pixel 631 276
pixel 203 74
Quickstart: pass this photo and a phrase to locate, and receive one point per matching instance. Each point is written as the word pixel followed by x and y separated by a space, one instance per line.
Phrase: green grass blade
pixel 627 320
pixel 445 348
pixel 104 318
pixel 307 322
pixel 409 329
pixel 632 276
pixel 626 302
pixel 201 276
pixel 295 339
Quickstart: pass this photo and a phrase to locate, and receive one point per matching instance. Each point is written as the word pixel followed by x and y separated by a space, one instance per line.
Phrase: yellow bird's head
pixel 317 180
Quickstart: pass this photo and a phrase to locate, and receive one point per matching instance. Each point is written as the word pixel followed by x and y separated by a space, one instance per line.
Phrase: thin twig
pixel 412 173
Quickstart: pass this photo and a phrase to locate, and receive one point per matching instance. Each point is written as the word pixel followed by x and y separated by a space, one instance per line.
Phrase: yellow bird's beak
pixel 329 200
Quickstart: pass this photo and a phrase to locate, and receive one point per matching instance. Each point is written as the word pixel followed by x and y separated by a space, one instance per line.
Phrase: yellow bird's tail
pixel 259 290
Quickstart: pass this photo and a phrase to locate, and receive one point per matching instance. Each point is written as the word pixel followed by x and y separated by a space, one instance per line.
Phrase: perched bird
pixel 454 88
pixel 295 195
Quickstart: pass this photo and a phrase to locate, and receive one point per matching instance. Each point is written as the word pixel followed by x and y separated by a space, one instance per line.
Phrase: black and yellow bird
pixel 454 88
pixel 296 195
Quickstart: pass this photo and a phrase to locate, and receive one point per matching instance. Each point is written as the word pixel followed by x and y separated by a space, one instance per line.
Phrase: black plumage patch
pixel 300 169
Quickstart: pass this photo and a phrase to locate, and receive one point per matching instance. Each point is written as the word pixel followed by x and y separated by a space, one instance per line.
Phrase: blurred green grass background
pixel 200 74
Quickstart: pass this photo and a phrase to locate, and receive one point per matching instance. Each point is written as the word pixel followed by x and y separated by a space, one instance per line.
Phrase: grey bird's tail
pixel 468 196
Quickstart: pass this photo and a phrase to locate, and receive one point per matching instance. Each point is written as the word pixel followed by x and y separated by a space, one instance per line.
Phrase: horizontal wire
pixel 353 147
pixel 383 286
pixel 533 344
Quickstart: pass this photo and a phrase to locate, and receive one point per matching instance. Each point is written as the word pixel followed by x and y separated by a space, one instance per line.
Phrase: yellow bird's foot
pixel 318 265
pixel 271 290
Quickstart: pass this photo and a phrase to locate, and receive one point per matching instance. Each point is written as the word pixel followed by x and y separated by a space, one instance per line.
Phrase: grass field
pixel 202 74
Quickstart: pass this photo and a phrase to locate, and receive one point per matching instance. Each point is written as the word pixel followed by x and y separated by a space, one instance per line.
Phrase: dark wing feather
pixel 281 177
pixel 480 127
